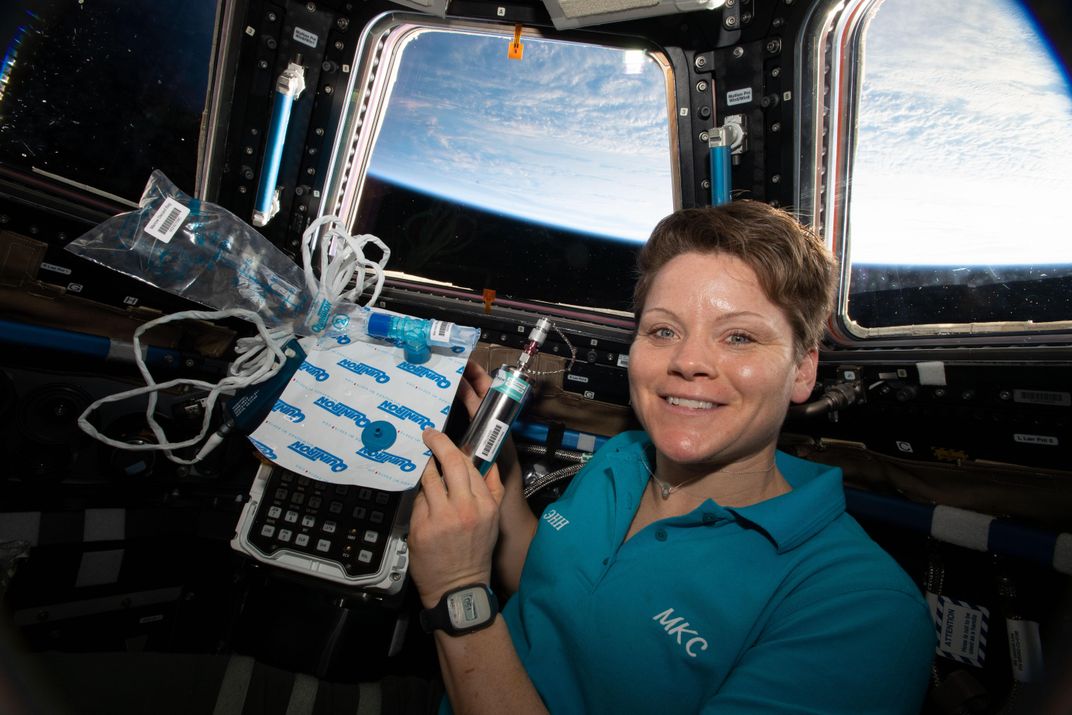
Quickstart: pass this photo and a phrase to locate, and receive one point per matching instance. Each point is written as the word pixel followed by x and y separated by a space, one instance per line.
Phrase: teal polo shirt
pixel 785 606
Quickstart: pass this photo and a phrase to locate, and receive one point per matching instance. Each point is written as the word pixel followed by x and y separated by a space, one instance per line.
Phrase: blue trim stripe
pixel 1004 537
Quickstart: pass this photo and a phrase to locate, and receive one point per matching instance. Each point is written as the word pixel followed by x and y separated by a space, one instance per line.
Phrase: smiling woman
pixel 692 555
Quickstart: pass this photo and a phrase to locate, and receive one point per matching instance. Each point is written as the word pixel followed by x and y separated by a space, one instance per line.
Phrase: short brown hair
pixel 795 270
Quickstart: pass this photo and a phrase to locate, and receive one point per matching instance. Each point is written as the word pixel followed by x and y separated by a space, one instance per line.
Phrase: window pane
pixel 104 92
pixel 537 178
pixel 963 165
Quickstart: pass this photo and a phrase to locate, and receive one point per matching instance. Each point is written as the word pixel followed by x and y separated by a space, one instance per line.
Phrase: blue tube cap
pixel 379 325
pixel 378 435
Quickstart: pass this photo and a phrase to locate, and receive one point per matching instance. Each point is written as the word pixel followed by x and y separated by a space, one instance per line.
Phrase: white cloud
pixel 564 137
pixel 965 139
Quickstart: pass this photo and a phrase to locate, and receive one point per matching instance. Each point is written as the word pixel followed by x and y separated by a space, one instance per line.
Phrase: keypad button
pixel 364 494
pixel 329 527
pixel 340 489
pixel 382 498
pixel 371 537
pixel 298 498
pixel 314 502
pixel 359 512
pixel 323 545
pixel 291 517
pixel 274 512
pixel 377 517
pixel 268 530
pixel 281 494
pixel 285 534
pixel 365 556
pixel 336 507
pixel 301 540
pixel 308 521
pixel 287 477
pixel 304 481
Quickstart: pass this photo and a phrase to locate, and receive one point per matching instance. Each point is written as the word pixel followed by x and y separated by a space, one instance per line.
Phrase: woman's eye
pixel 663 333
pixel 740 339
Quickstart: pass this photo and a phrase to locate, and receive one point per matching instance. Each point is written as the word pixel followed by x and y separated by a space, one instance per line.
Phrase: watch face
pixel 469 607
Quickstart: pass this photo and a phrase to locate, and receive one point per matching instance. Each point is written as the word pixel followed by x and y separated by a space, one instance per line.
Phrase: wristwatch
pixel 462 610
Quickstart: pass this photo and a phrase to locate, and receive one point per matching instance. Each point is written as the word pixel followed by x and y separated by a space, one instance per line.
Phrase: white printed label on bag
pixel 167 220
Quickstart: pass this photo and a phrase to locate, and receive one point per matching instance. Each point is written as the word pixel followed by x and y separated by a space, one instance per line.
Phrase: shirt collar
pixel 788 520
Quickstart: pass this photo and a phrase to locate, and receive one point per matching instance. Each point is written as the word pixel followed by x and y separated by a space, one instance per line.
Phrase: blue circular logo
pixel 339 322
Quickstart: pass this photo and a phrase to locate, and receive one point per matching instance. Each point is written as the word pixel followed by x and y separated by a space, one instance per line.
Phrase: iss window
pixel 537 177
pixel 952 217
pixel 100 93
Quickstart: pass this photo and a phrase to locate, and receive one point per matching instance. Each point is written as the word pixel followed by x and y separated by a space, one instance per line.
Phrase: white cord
pixel 260 357
pixel 341 256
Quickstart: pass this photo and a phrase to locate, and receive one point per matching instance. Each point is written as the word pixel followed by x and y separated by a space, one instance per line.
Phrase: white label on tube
pixel 493 436
pixel 167 220
pixel 439 333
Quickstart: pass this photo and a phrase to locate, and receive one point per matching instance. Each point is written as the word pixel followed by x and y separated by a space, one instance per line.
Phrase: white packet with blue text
pixel 354 411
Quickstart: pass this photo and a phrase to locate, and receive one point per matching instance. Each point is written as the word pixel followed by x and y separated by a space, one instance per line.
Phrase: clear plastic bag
pixel 202 252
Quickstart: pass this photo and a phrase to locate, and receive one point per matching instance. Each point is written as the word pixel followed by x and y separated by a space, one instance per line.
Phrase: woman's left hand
pixel 455 522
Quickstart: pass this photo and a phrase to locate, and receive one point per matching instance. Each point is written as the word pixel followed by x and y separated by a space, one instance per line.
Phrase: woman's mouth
pixel 690 404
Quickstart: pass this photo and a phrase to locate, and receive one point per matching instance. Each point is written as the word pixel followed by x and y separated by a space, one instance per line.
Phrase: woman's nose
pixel 693 358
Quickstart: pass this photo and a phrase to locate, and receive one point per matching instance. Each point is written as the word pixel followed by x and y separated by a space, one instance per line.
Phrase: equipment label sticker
pixel 1025 650
pixel 305 37
pixel 1036 439
pixel 962 630
pixel 167 220
pixel 739 96
pixel 55 269
pixel 510 384
pixel 1042 397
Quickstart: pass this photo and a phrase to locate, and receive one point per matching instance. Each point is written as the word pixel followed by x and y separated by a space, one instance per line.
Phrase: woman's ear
pixel 804 380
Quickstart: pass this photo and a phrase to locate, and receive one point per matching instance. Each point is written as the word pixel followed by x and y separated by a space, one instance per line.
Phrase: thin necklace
pixel 666 489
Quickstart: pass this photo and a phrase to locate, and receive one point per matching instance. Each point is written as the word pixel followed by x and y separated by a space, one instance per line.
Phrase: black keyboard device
pixel 347 534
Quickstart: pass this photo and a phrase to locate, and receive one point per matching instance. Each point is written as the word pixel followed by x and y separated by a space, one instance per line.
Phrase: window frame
pixel 376 62
pixel 828 51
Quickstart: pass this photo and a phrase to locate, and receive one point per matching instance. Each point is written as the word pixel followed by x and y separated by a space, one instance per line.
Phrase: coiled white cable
pixel 261 356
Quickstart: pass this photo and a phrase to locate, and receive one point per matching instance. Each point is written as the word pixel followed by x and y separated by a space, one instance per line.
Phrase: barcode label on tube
pixel 489 443
pixel 167 220
pixel 439 333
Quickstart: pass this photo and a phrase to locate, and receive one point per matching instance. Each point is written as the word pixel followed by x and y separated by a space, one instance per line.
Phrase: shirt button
pixel 606 561
pixel 660 535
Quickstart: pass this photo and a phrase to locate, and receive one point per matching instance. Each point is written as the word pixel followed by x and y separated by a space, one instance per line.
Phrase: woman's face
pixel 713 367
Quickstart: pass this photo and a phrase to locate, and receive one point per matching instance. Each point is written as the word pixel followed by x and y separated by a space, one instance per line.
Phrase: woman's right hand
pixel 455 522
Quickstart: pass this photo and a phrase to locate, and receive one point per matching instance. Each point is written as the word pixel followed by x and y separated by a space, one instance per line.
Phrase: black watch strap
pixel 462 610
